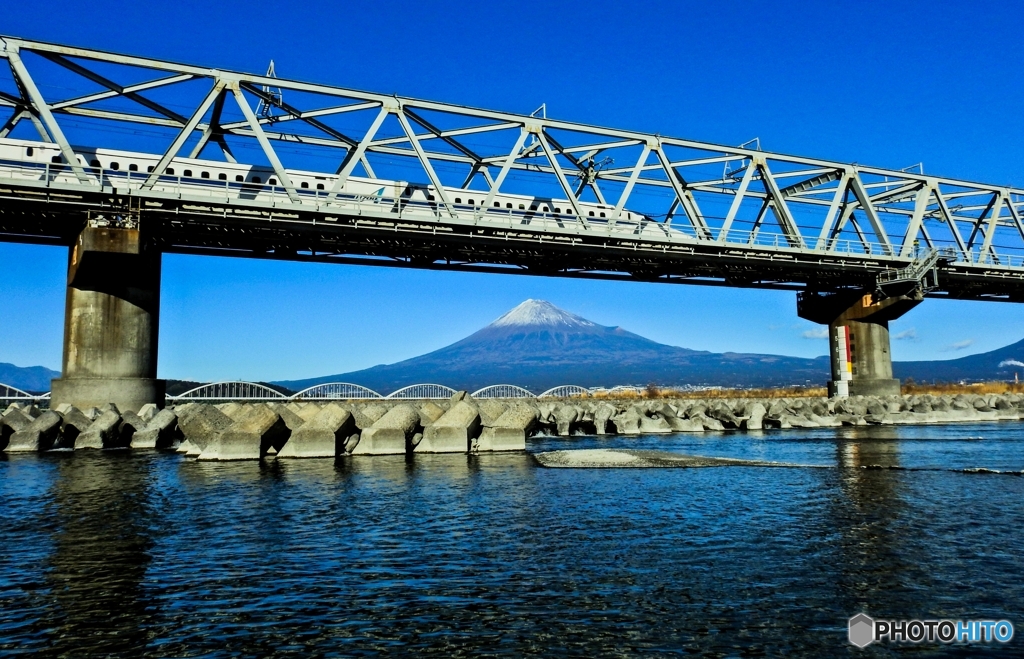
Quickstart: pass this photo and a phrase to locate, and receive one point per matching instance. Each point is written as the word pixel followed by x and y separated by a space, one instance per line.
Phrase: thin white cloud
pixel 1010 362
pixel 816 333
pixel 907 335
pixel 959 345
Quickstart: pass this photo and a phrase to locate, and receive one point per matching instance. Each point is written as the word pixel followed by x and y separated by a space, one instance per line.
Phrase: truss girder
pixel 809 204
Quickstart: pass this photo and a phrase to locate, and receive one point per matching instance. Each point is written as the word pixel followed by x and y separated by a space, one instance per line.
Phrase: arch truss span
pixel 503 391
pixel 336 391
pixel 13 394
pixel 422 391
pixel 566 391
pixel 231 390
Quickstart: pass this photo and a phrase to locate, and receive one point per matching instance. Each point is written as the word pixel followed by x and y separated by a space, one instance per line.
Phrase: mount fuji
pixel 538 346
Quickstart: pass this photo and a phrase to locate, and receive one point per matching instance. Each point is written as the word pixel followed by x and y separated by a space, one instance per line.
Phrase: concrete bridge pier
pixel 858 333
pixel 111 321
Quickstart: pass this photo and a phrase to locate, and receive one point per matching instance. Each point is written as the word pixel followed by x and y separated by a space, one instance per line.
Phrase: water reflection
pixel 101 545
pixel 158 556
pixel 866 512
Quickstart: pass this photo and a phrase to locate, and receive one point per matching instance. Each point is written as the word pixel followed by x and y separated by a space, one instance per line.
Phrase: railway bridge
pixel 124 158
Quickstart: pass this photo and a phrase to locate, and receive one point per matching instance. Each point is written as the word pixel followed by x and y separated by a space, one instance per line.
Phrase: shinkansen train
pixel 254 182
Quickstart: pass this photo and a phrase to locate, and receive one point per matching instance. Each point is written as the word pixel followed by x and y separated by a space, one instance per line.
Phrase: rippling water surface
pixel 149 554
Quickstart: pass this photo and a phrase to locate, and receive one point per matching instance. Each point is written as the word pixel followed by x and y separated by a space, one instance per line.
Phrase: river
pixel 151 555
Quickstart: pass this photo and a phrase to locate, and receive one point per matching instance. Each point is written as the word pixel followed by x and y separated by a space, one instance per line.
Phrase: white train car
pixel 245 181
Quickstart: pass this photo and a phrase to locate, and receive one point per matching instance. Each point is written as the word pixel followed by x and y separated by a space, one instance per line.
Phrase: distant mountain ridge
pixel 33 379
pixel 537 345
pixel 999 364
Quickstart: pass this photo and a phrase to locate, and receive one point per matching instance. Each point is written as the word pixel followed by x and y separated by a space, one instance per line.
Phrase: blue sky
pixel 888 84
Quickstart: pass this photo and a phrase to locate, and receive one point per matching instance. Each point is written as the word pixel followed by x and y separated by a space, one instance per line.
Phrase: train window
pixel 187 172
pixel 94 163
pixel 544 208
pixel 430 197
pixel 170 171
pixel 257 179
pixel 305 184
pixel 458 200
pixel 533 208
pixel 497 204
pixel 204 174
pixel 115 166
pixel 319 186
pixel 222 176
pixel 522 207
pixel 133 167
pixel 591 213
pixel 55 159
pixel 558 210
pixel 272 181
pixel 508 205
pixel 239 178
pixel 470 202
pixel 149 170
pixel 602 214
pixel 29 151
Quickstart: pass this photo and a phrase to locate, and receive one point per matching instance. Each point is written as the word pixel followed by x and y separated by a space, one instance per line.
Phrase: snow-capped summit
pixel 540 312
pixel 538 346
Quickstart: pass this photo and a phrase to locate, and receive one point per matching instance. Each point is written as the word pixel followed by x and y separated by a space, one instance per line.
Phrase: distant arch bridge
pixel 240 390
pixel 11 394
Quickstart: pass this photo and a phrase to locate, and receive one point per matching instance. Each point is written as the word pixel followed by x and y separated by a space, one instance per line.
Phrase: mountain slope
pixel 33 379
pixel 999 364
pixel 538 346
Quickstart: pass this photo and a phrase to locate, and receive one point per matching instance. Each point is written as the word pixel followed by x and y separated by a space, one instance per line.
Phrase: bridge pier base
pixel 858 333
pixel 111 321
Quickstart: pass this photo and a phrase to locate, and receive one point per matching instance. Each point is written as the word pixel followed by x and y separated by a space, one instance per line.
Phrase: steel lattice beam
pixel 812 206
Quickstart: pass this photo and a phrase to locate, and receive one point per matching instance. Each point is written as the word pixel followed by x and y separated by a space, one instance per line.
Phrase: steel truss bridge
pixel 668 209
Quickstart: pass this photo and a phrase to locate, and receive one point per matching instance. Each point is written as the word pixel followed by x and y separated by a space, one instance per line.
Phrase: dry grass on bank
pixel 910 388
pixel 954 388
pixel 653 393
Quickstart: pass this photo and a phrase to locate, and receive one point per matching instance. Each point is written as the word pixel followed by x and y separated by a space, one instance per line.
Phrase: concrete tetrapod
pixel 322 436
pixel 509 430
pixel 160 431
pixel 367 415
pixel 565 415
pixel 102 432
pixel 602 414
pixel 11 422
pixel 130 424
pixel 755 420
pixel 390 434
pixel 38 436
pixel 430 412
pixel 490 410
pixel 248 438
pixel 201 424
pixel 75 422
pixel 292 422
pixel 453 432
